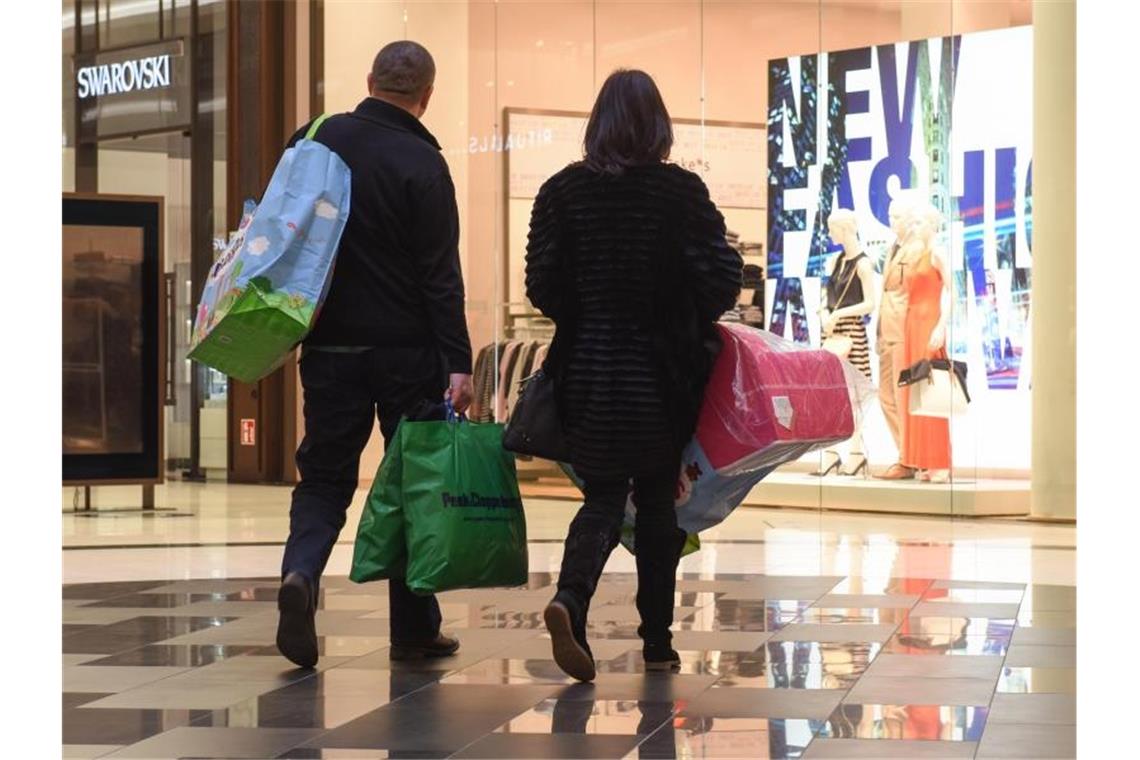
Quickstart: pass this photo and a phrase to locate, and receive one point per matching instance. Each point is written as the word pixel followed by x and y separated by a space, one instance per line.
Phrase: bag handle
pixel 452 415
pixel 317 122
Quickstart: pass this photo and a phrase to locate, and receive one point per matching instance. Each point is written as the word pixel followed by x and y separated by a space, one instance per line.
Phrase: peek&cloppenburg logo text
pixel 474 500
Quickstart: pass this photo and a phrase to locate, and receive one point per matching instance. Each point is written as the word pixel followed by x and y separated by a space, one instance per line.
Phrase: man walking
pixel 391 334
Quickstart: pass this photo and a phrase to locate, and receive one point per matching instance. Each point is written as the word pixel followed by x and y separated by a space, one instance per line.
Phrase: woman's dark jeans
pixel 595 532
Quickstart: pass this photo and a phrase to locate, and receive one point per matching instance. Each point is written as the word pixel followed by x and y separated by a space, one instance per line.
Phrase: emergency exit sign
pixel 248 432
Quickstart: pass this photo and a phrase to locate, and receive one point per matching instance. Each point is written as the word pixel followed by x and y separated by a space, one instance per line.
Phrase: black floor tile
pixel 71 629
pixel 319 702
pixel 175 655
pixel 71 700
pixel 649 687
pixel 440 718
pixel 155 601
pixel 205 742
pixel 574 746
pixel 107 590
pixel 133 633
pixel 308 753
pixel 729 738
pixel 96 725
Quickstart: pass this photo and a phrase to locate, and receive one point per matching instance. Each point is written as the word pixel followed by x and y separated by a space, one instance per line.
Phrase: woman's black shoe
pixel 568 640
pixel 660 657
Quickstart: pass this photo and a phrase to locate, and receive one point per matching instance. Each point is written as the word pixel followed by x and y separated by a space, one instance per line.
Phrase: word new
pixel 149 73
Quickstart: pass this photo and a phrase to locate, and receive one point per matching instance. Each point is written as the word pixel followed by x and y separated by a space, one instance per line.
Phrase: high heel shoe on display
pixel 860 466
pixel 834 464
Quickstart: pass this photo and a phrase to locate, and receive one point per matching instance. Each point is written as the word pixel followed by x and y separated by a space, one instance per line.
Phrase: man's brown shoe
pixel 440 646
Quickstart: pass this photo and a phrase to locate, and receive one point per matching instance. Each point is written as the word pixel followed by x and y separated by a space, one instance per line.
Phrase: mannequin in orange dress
pixel 925 440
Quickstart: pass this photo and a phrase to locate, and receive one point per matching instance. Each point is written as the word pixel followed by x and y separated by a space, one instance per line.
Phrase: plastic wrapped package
pixel 768 402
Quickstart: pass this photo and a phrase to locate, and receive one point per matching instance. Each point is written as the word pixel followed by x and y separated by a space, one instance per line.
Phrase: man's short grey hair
pixel 404 68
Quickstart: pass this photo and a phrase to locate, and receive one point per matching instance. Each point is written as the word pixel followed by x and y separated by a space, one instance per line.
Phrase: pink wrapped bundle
pixel 770 401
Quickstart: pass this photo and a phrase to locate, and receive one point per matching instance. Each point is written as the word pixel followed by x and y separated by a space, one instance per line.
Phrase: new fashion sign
pixel 147 73
pixel 953 118
pixel 132 90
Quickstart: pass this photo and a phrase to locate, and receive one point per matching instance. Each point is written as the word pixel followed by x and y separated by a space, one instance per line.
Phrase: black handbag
pixel 535 427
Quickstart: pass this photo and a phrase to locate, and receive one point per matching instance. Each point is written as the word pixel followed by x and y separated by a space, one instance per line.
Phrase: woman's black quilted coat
pixel 634 270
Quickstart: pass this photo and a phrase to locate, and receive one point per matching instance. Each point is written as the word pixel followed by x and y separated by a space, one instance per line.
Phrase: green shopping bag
pixel 463 514
pixel 264 292
pixel 380 552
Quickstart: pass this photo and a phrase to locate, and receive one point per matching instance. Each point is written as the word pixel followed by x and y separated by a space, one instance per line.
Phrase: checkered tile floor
pixel 774 667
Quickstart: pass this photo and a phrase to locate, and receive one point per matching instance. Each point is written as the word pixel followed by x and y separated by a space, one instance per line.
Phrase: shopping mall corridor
pixel 802 635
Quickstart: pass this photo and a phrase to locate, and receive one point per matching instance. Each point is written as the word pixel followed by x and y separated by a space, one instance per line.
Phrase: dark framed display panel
pixel 113 340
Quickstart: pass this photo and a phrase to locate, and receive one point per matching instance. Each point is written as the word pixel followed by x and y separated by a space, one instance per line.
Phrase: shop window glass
pixel 516 79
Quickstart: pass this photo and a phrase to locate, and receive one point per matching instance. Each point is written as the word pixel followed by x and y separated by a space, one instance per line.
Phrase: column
pixel 1054 313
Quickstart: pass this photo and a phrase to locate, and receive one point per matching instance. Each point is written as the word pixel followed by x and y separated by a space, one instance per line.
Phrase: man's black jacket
pixel 397 280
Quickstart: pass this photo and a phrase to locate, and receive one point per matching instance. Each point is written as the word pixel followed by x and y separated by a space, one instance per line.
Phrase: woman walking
pixel 627 254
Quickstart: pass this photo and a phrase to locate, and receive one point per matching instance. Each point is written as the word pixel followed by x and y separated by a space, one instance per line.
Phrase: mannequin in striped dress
pixel 850 296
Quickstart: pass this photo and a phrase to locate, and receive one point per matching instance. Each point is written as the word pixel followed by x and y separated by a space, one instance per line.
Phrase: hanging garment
pixel 490 375
pixel 478 383
pixel 520 372
pixel 540 356
pixel 506 368
pixel 753 277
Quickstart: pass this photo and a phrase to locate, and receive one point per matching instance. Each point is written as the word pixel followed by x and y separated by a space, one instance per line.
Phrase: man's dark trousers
pixel 344 392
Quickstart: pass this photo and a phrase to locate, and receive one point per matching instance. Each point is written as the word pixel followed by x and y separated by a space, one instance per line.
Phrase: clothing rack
pixel 501 367
pixel 750 308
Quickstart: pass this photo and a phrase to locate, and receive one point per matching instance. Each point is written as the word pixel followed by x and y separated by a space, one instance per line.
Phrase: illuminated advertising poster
pixel 951 117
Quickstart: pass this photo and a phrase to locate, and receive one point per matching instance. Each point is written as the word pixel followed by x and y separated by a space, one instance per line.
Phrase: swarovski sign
pixel 128 91
pixel 150 73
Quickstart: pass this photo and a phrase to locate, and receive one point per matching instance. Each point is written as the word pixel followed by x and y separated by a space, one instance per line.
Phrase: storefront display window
pixel 134 137
pixel 790 112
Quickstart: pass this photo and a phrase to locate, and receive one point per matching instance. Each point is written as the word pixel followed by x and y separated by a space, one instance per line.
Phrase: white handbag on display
pixel 840 345
pixel 937 388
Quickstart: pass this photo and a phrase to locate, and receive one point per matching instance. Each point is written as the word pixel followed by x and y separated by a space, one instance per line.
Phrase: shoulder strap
pixel 317 122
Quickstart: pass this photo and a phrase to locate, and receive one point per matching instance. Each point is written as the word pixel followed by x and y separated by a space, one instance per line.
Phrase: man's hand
pixel 460 392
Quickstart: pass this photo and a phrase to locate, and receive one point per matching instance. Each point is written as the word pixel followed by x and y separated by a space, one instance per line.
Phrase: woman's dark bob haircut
pixel 629 125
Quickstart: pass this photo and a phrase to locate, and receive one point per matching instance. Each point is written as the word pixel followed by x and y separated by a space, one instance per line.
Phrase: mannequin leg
pixel 892 398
